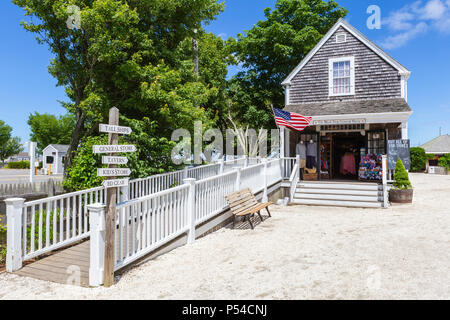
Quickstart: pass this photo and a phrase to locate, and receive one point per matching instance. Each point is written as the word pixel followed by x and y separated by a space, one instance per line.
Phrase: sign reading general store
pixel 113 148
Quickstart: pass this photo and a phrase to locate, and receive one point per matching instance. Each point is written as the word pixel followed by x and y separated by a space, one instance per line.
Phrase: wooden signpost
pixel 112 160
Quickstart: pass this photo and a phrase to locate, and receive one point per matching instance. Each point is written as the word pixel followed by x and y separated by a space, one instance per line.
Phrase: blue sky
pixel 416 33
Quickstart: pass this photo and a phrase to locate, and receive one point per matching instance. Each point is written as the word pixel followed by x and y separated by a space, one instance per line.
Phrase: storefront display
pixel 370 167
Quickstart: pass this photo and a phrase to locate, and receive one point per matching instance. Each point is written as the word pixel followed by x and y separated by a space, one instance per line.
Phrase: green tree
pixel 269 51
pixel 401 178
pixel 8 145
pixel 48 129
pixel 152 157
pixel 123 54
pixel 444 161
pixel 418 159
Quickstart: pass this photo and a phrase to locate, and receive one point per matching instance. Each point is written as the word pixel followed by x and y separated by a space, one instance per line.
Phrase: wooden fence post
pixel 191 209
pixel 111 201
pixel 97 244
pixel 14 208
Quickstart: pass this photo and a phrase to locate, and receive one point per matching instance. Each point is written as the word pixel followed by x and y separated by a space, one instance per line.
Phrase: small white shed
pixel 53 158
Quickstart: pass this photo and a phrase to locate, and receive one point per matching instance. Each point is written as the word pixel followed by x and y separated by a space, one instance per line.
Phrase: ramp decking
pixel 69 266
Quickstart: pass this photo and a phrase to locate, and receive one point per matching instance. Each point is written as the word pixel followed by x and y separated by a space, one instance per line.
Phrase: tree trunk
pixel 75 141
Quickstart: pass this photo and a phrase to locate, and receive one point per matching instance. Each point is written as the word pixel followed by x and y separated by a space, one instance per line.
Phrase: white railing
pixel 149 222
pixel 230 165
pixel 287 164
pixel 145 186
pixel 293 180
pixel 210 195
pixel 273 172
pixel 203 172
pixel 50 223
pixel 252 177
pixel 40 226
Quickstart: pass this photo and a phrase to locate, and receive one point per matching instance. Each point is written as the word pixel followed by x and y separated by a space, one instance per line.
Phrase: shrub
pixel 418 159
pixel 444 161
pixel 2 244
pixel 19 165
pixel 401 178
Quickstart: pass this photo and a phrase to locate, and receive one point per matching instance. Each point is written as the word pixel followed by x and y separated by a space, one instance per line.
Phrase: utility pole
pixel 195 49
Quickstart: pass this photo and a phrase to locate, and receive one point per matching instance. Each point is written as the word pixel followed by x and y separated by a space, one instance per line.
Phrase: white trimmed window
pixel 342 76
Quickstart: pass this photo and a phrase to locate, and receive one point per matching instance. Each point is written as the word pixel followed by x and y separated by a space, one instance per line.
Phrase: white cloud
pixel 415 19
pixel 399 40
pixel 434 10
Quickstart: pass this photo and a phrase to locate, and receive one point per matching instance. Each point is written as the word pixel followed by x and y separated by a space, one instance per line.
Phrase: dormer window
pixel 342 76
pixel 341 37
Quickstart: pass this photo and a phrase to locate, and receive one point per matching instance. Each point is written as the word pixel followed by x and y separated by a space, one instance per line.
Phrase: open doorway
pixel 347 154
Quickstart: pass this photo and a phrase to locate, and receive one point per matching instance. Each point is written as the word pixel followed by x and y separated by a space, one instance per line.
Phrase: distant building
pixel 23 156
pixel 437 147
pixel 53 158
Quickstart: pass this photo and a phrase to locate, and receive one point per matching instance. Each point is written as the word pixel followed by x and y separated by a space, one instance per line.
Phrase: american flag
pixel 291 119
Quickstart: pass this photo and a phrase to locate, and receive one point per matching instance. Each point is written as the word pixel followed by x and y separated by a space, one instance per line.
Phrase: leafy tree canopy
pixel 125 53
pixel 48 129
pixel 270 50
pixel 9 145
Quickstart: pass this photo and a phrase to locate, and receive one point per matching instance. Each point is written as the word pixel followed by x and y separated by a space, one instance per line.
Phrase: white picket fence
pixel 21 188
pixel 147 223
pixel 54 222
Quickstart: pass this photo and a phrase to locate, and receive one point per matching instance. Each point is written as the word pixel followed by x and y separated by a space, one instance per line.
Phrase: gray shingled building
pixel 357 97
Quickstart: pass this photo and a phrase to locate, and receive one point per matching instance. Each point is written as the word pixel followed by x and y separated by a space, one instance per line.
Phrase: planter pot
pixel 401 196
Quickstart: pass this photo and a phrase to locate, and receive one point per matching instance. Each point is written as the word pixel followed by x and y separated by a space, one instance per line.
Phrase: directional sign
pixel 113 172
pixel 115 183
pixel 108 128
pixel 113 148
pixel 114 160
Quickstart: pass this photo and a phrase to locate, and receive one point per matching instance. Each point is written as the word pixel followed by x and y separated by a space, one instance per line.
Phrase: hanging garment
pixel 311 149
pixel 310 162
pixel 300 150
pixel 348 165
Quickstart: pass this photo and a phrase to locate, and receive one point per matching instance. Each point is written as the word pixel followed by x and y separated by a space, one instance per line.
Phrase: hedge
pixel 19 165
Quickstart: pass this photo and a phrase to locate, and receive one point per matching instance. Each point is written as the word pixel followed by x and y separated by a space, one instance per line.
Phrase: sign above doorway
pixel 338 121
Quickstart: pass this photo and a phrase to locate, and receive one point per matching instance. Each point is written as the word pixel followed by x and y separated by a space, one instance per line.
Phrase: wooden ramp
pixel 69 266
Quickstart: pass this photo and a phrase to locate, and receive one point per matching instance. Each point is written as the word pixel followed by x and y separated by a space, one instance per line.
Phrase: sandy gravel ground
pixel 301 253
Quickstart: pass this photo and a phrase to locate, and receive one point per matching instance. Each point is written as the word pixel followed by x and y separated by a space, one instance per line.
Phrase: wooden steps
pixel 343 194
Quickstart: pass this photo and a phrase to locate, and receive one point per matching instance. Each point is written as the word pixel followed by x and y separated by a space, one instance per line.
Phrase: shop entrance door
pixel 346 150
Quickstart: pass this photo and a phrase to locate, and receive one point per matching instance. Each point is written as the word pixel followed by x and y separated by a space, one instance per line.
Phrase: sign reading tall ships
pixel 112 172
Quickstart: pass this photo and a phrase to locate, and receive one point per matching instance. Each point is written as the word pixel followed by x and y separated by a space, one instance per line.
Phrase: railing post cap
pixel 14 201
pixel 96 207
pixel 189 180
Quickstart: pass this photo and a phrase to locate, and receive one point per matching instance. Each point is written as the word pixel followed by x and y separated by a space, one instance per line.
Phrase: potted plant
pixel 402 192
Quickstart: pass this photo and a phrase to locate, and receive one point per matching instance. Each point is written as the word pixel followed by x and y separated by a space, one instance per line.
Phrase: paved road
pixel 20 175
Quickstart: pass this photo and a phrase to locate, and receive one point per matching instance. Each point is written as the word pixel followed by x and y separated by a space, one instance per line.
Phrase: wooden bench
pixel 243 204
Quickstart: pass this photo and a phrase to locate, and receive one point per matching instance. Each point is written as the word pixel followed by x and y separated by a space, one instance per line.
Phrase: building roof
pixel 342 23
pixel 350 107
pixel 438 145
pixel 59 147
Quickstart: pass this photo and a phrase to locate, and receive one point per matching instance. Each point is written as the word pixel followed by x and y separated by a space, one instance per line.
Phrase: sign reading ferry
pixel 113 172
pixel 108 128
pixel 114 160
pixel 115 148
pixel 113 183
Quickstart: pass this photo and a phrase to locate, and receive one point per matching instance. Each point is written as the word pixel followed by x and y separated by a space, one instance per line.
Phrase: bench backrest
pixel 241 200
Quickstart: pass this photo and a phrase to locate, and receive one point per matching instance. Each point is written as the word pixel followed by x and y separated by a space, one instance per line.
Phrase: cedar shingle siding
pixel 374 77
